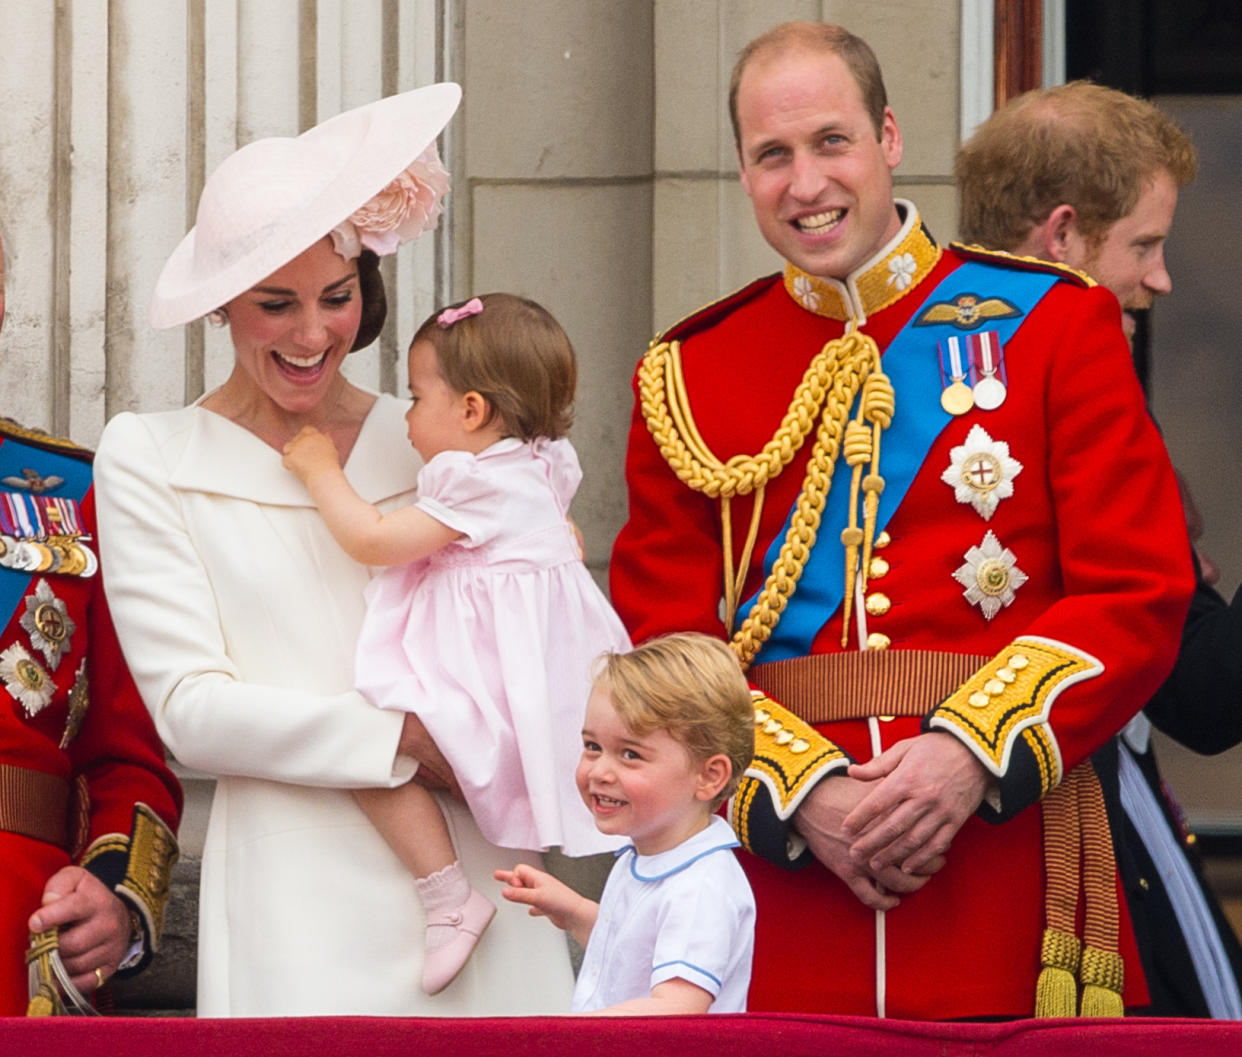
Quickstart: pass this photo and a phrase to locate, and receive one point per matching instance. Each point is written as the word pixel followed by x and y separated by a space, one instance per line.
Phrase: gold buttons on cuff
pixel 783 737
pixel 882 541
pixel 878 604
pixel 979 699
pixel 799 745
pixel 994 687
pixel 772 726
pixel 1005 675
pixel 878 567
pixel 762 715
pixel 878 641
pixel 1019 661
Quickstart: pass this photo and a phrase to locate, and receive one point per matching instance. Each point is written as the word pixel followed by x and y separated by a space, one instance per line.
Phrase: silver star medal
pixel 981 472
pixel 990 576
pixel 25 680
pixel 48 624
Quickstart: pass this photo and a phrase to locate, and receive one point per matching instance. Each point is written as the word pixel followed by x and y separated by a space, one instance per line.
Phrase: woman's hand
pixel 310 452
pixel 434 771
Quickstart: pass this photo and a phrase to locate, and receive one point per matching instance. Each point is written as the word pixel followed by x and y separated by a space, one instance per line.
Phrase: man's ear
pixel 714 775
pixel 475 410
pixel 1059 236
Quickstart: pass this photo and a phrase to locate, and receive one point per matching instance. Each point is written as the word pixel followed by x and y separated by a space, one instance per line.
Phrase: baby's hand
pixel 309 451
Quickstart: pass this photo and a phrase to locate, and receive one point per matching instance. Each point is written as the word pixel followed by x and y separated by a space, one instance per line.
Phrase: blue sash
pixel 16 456
pixel 912 363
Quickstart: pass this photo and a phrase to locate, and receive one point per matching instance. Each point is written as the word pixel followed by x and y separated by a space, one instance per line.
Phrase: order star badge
pixel 990 576
pixel 48 624
pixel 981 472
pixel 26 680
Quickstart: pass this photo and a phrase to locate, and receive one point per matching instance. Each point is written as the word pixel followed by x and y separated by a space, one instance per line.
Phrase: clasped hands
pixel 885 826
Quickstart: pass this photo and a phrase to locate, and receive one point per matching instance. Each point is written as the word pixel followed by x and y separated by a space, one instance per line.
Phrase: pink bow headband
pixel 455 315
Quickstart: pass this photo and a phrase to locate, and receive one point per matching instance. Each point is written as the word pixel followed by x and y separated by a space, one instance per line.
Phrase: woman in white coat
pixel 238 612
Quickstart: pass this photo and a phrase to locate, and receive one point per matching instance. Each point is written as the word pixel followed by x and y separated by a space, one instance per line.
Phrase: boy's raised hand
pixel 550 898
pixel 309 452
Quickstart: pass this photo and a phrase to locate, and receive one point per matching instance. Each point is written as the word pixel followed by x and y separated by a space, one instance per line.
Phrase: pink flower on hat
pixel 410 204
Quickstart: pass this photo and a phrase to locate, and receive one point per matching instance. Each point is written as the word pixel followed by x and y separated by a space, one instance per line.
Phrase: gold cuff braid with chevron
pixel 790 756
pixel 841 370
pixel 1010 697
pixel 150 853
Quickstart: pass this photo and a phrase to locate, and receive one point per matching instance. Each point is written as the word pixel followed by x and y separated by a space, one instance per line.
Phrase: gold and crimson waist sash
pixel 828 687
pixel 34 804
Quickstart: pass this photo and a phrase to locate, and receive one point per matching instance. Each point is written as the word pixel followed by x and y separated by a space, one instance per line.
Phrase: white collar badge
pixel 981 472
pixel 990 576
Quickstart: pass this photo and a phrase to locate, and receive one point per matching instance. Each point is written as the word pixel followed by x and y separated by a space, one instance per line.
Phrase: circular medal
pixel 58 555
pixel 957 398
pixel 74 563
pixel 25 557
pixel 990 393
pixel 46 558
pixel 92 563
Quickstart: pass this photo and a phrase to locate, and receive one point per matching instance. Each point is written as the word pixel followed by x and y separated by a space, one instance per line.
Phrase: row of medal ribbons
pixel 43 534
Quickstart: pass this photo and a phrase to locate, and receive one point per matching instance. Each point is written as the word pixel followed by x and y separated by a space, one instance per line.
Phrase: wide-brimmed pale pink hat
pixel 274 198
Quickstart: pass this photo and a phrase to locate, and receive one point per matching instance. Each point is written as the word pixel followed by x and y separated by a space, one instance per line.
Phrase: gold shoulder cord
pixel 842 368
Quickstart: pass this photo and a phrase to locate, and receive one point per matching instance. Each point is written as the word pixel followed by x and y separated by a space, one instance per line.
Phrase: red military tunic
pixel 1093 522
pixel 70 715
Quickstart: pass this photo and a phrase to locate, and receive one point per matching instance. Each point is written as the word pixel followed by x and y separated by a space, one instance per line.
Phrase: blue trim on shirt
pixel 689 965
pixel 676 869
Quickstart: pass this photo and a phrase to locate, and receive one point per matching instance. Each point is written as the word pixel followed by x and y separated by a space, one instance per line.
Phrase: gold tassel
pixel 52 993
pixel 1103 977
pixel 44 996
pixel 1056 991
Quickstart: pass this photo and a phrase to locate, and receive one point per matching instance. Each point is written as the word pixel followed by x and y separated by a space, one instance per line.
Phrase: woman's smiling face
pixel 292 331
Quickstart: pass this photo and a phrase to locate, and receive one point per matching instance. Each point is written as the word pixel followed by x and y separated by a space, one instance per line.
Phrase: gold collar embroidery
pixel 897 268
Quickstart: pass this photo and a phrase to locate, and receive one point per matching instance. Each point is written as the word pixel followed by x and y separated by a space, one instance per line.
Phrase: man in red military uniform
pixel 919 490
pixel 1088 176
pixel 88 808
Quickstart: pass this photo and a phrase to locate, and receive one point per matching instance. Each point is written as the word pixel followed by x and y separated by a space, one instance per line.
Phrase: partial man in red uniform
pixel 88 807
pixel 1088 176
pixel 918 489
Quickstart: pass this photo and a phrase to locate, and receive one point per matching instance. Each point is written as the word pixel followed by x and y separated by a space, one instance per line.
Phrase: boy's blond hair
pixel 692 686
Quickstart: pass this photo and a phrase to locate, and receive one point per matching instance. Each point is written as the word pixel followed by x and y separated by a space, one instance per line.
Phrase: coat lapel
pixel 222 458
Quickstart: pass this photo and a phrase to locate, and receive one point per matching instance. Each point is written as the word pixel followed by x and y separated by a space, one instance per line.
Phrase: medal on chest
pixel 43 534
pixel 48 624
pixel 990 576
pixel 988 362
pixel 981 472
pixel 956 396
pixel 26 680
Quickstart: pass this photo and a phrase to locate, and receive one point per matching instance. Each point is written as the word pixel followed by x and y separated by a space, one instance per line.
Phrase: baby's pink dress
pixel 490 640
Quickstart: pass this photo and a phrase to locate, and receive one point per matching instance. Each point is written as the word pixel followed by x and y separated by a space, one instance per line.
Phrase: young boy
pixel 669 730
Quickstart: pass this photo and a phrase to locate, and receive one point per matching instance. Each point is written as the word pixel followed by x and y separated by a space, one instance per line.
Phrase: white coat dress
pixel 238 614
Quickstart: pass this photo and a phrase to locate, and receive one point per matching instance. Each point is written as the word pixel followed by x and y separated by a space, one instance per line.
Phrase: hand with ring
pixel 93 922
